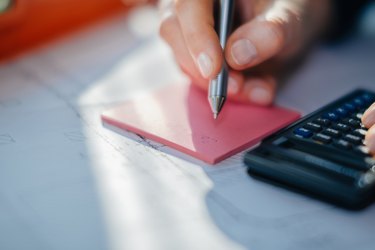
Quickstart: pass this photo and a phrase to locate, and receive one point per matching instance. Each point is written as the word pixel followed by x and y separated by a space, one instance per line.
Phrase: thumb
pixel 265 36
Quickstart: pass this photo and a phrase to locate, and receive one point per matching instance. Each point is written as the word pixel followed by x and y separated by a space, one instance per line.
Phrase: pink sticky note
pixel 179 116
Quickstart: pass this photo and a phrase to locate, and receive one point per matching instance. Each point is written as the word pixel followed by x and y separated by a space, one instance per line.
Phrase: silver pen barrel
pixel 218 87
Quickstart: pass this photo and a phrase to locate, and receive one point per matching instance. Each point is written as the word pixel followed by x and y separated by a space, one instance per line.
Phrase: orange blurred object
pixel 28 23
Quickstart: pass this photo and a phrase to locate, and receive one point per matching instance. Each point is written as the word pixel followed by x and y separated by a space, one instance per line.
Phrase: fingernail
pixel 233 87
pixel 260 96
pixel 368 118
pixel 204 64
pixel 243 52
pixel 370 142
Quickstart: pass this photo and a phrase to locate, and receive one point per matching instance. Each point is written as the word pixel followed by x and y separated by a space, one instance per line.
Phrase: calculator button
pixel 331 116
pixel 357 116
pixel 305 133
pixel 322 121
pixel 342 127
pixel 332 132
pixel 352 123
pixel 312 126
pixel 341 112
pixel 370 161
pixel 360 133
pixel 342 144
pixel 349 107
pixel 353 139
pixel 332 153
pixel 363 150
pixel 368 98
pixel 322 138
pixel 359 103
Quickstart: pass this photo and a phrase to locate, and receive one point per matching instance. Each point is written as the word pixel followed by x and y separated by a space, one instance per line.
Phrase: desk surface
pixel 66 182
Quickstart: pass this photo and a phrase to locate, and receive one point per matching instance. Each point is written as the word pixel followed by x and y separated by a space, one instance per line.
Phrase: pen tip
pixel 215 116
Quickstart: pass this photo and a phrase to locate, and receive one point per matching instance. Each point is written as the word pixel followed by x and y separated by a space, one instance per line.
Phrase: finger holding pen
pixel 190 32
pixel 196 22
pixel 270 33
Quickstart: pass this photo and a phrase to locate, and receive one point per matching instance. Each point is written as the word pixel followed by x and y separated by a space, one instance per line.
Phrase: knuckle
pixel 276 32
pixel 198 35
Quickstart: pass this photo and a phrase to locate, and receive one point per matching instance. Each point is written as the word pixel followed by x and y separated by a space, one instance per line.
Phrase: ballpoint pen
pixel 217 91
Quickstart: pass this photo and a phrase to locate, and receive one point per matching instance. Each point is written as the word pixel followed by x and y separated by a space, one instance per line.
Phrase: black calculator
pixel 322 154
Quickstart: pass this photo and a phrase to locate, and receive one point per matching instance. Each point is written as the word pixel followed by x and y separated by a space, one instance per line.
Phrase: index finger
pixel 197 24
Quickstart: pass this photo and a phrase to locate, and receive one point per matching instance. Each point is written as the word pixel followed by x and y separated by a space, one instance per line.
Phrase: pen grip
pixel 219 85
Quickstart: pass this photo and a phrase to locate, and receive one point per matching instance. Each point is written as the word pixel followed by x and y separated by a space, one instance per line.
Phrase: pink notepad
pixel 179 116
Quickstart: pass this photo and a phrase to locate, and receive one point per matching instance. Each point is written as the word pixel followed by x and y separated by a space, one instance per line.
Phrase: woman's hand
pixel 271 32
pixel 368 120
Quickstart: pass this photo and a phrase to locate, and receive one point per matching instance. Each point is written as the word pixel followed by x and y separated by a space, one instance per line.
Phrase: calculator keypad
pixel 339 127
pixel 322 154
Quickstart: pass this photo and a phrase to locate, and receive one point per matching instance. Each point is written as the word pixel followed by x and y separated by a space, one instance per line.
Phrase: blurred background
pixel 25 24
